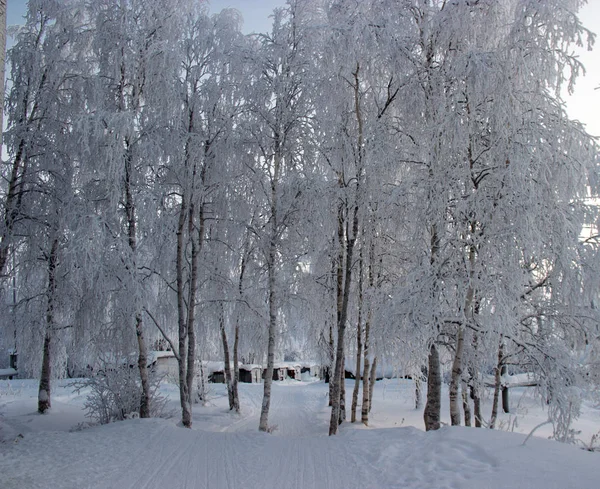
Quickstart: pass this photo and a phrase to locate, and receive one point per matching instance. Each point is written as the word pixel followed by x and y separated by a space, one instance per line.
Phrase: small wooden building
pixel 215 372
pixel 311 369
pixel 294 371
pixel 217 377
pixel 164 363
pixel 279 372
pixel 250 373
pixel 286 370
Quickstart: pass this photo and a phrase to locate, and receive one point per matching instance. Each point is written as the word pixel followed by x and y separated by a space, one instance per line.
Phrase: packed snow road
pixel 297 409
pixel 226 451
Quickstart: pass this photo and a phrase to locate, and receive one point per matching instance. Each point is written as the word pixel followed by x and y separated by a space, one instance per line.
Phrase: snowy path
pixel 296 410
pixel 154 454
pixel 231 454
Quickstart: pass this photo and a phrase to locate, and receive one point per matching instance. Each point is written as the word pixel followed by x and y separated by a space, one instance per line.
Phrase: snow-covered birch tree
pixel 280 107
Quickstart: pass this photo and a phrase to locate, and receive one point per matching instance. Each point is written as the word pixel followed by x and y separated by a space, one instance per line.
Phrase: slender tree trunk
pixel 264 414
pixel 433 405
pixel 236 369
pixel 191 315
pixel 331 352
pixel 431 414
pixel 455 378
pixel 505 398
pixel 271 266
pixel 44 399
pixel 356 384
pixel 474 381
pixel 476 406
pixel 228 376
pixel 364 412
pixel 186 416
pixel 358 342
pixel 457 367
pixel 339 293
pixel 372 382
pixel 132 238
pixel 236 341
pixel 343 393
pixel 465 402
pixel 44 402
pixel 339 359
pixel 418 395
pixel 367 371
pixel 142 367
pixel 351 235
pixel 497 384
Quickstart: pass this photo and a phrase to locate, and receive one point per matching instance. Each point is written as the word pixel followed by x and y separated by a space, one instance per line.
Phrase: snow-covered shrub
pixel 562 391
pixel 562 411
pixel 115 393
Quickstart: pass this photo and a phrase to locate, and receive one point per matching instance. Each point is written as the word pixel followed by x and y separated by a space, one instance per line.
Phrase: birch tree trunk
pixel 418 395
pixel 497 384
pixel 465 402
pixel 343 393
pixel 357 370
pixel 431 415
pixel 132 239
pixel 44 391
pixel 351 233
pixel 364 412
pixel 505 397
pixel 476 406
pixel 367 371
pixel 228 377
pixel 358 341
pixel 338 374
pixel 455 378
pixel 271 266
pixel 186 304
pixel 264 413
pixel 474 383
pixel 236 341
pixel 184 395
pixel 457 367
pixel 372 382
pixel 236 369
pixel 197 241
pixel 329 369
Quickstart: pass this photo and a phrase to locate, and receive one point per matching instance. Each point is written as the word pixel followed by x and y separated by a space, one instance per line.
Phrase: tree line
pixel 383 178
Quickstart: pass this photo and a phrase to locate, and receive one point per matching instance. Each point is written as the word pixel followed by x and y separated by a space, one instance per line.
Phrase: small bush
pixel 115 394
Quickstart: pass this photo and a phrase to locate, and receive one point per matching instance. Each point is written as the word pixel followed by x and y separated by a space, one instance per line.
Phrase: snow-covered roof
pixel 7 372
pixel 154 355
pixel 387 371
pixel 213 366
pixel 250 366
pixel 286 365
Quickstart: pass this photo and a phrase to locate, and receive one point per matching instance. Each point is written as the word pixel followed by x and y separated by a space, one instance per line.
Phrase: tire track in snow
pixel 159 464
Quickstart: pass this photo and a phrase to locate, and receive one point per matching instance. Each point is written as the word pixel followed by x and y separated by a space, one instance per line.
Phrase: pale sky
pixel 584 105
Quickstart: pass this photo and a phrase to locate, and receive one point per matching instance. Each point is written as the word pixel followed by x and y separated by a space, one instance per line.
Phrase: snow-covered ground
pixel 224 450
